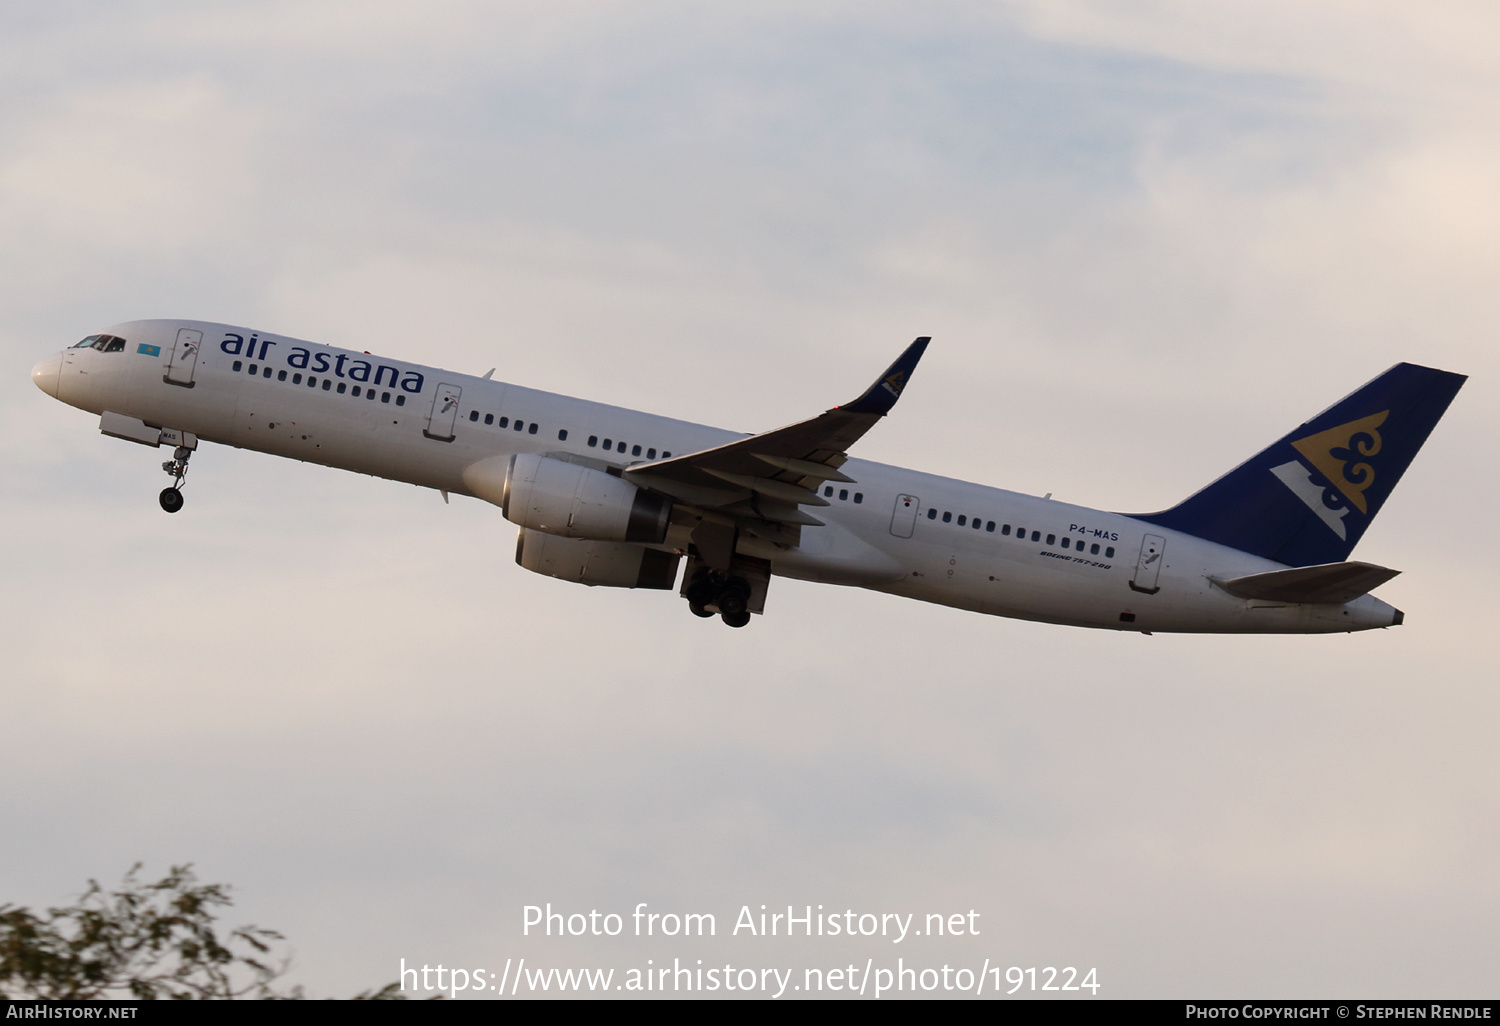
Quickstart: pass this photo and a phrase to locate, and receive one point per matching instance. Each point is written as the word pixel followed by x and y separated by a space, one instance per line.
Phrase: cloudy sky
pixel 1147 238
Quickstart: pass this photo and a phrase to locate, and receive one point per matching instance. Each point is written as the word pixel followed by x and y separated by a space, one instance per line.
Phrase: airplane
pixel 614 497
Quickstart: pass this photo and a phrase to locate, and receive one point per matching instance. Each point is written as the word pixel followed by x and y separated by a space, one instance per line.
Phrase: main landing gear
pixel 177 467
pixel 712 591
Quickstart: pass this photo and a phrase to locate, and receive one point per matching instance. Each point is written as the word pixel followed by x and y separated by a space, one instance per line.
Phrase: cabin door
pixel 1149 564
pixel 444 412
pixel 904 519
pixel 184 358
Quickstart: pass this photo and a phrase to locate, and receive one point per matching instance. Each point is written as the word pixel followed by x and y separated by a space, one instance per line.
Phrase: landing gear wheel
pixel 734 598
pixel 701 592
pixel 176 468
pixel 709 593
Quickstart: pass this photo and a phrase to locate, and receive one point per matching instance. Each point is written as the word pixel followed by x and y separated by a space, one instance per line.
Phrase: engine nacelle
pixel 556 497
pixel 607 564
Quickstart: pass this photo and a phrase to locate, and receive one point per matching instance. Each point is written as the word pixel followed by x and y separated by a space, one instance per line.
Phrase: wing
pixel 761 482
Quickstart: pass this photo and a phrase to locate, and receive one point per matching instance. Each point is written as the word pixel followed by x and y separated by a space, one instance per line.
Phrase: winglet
pixel 881 396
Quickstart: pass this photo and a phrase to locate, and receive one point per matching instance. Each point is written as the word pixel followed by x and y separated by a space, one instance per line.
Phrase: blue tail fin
pixel 1307 499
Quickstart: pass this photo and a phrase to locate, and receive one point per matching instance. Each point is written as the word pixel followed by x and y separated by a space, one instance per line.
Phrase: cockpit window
pixel 116 345
pixel 88 342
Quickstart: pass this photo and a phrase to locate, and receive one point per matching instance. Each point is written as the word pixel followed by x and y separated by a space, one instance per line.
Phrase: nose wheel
pixel 176 468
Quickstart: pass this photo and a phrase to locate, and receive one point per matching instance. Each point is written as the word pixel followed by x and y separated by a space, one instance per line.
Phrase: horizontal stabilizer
pixel 1334 583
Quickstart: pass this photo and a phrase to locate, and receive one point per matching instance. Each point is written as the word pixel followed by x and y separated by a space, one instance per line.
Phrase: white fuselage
pixel 902 534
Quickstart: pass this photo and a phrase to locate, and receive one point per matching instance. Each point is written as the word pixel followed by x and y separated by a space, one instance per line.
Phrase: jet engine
pixel 573 501
pixel 609 564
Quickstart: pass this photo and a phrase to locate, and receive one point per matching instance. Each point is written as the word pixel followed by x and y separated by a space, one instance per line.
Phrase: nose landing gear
pixel 177 467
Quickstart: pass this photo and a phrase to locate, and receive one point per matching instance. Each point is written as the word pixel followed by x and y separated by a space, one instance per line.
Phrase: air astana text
pixel 341 365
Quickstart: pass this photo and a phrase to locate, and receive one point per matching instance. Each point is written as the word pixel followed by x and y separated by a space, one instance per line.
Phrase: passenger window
pixel 843 494
pixel 343 386
pixel 947 517
pixel 400 400
pixel 1094 549
pixel 1036 535
pixel 608 445
pixel 593 441
pixel 532 429
pixel 650 454
pixel 370 394
pixel 355 391
pixel 1065 543
pixel 1051 539
pixel 963 521
pixel 859 497
pixel 1109 553
pixel 281 375
pixel 504 421
pixel 489 418
pixel 976 523
pixel 473 415
pixel 254 369
pixel 296 379
pixel 562 436
pixel 237 364
pixel 385 397
pixel 635 451
pixel 312 382
pixel 328 383
pixel 990 527
pixel 828 492
pixel 666 455
pixel 520 424
pixel 932 514
pixel 1005 529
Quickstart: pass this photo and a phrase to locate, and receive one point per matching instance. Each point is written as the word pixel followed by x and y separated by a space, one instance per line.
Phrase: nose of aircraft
pixel 45 374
